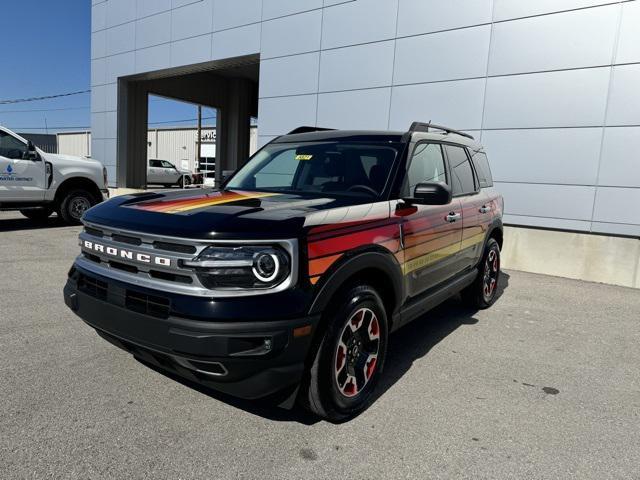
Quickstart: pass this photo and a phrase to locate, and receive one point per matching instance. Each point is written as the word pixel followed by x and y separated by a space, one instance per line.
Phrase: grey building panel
pixel 536 81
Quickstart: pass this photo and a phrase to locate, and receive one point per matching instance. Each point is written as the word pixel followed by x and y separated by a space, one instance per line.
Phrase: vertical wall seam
pixel 319 61
pixel 486 72
pixel 614 52
pixel 393 66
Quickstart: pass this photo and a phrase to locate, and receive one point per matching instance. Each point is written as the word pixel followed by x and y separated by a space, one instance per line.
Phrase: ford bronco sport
pixel 292 275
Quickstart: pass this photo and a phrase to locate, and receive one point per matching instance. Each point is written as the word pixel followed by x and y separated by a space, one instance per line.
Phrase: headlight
pixel 241 267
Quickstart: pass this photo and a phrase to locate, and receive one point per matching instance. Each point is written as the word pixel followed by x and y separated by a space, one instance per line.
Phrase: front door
pixel 21 179
pixel 431 234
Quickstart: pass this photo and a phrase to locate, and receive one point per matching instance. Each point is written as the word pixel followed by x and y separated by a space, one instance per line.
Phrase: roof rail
pixel 424 127
pixel 308 129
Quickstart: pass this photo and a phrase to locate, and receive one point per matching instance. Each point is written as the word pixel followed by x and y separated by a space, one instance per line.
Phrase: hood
pixel 61 159
pixel 211 214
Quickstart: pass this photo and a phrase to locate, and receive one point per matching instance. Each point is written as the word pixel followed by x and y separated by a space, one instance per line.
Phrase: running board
pixel 428 301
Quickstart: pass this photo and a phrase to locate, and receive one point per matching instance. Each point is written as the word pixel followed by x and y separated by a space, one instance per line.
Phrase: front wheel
pixel 350 358
pixel 74 204
pixel 482 292
pixel 39 214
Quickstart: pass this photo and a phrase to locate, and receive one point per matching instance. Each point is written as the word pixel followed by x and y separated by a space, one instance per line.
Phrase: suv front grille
pixel 92 286
pixel 147 304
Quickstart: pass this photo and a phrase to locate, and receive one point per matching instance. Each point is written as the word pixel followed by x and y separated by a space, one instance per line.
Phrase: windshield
pixel 328 168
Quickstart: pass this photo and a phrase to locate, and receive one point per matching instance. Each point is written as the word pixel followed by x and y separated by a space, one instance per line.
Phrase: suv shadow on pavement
pixel 407 345
pixel 21 223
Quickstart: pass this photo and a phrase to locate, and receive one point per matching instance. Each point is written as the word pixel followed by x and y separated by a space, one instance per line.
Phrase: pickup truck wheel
pixel 184 181
pixel 482 292
pixel 350 358
pixel 39 214
pixel 74 204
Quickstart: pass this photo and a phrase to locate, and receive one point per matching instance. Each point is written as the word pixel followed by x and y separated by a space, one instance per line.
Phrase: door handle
pixel 452 217
pixel 485 209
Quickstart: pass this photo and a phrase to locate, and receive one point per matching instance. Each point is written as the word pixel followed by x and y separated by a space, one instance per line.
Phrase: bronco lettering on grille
pixel 127 254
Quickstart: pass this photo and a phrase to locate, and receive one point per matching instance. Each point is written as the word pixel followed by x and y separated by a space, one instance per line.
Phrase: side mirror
pixel 32 153
pixel 431 193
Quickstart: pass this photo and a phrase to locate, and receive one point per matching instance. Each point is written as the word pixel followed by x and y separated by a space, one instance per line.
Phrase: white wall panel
pixel 552 201
pixel 361 21
pixel 565 155
pixel 362 66
pixel 119 66
pixel 624 97
pixel 228 14
pixel 98 17
pixel 111 97
pixel 111 125
pixel 153 58
pixel 541 43
pixel 506 9
pixel 617 205
pixel 629 42
pixel 98 44
pixel 110 147
pixel 283 114
pixel 293 34
pixel 236 42
pixel 97 150
pixel 121 38
pixel 553 99
pixel 192 20
pixel 151 7
pixel 191 50
pixel 355 110
pixel 545 222
pixel 423 16
pixel 98 98
pixel 98 71
pixel 457 104
pixel 293 75
pixel 435 60
pixel 153 30
pixel 98 124
pixel 620 163
pixel 279 8
pixel 120 11
pixel 617 229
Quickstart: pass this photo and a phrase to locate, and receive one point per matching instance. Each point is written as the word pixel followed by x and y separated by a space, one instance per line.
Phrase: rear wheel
pixel 74 204
pixel 350 358
pixel 482 292
pixel 39 214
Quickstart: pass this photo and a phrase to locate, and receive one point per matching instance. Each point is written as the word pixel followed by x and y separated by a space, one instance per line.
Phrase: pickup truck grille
pixel 141 259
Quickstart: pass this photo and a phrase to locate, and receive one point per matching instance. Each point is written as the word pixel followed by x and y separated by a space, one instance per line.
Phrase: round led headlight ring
pixel 266 266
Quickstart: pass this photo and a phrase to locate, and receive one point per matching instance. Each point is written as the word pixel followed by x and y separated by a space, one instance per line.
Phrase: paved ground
pixel 545 384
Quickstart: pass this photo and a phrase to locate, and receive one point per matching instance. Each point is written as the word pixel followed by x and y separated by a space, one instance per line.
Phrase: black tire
pixel 184 181
pixel 330 391
pixel 482 292
pixel 74 204
pixel 39 214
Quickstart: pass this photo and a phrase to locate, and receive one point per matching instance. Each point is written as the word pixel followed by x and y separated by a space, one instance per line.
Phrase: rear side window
pixel 461 171
pixel 482 169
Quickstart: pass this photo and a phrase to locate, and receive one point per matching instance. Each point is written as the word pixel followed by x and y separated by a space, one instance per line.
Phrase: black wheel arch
pixel 374 266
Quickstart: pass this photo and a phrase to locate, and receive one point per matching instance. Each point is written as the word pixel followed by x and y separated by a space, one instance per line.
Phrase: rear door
pixel 153 172
pixel 466 190
pixel 431 234
pixel 21 179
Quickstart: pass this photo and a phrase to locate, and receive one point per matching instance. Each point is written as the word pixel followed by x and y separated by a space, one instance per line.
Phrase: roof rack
pixel 308 130
pixel 424 127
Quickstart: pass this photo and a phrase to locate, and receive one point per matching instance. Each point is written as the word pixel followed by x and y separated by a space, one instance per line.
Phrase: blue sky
pixel 46 51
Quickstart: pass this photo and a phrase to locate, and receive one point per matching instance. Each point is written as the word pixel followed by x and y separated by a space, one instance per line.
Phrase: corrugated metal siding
pixel 76 143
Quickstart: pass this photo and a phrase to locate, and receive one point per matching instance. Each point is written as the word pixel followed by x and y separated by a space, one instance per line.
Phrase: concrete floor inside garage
pixel 543 385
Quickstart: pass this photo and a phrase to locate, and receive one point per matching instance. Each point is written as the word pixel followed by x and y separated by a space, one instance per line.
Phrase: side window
pixel 155 163
pixel 482 169
pixel 427 165
pixel 278 172
pixel 11 147
pixel 167 164
pixel 462 182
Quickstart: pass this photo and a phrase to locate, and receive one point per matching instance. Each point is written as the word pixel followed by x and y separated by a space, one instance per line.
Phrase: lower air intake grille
pixel 147 304
pixel 94 287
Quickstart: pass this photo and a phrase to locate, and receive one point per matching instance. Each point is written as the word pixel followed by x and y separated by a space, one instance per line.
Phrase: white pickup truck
pixel 38 183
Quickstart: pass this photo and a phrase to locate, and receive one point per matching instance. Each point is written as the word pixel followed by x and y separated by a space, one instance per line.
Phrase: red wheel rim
pixel 491 272
pixel 356 355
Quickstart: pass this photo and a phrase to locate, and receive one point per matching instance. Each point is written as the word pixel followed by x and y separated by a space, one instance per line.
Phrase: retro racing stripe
pixel 440 254
pixel 202 201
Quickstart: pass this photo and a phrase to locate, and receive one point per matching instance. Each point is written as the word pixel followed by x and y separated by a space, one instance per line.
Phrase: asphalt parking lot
pixel 545 384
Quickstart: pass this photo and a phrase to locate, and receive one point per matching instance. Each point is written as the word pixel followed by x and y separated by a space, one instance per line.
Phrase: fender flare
pixel 353 264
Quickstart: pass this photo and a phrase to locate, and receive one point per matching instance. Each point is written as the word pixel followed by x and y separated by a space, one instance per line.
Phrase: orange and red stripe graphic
pixel 198 201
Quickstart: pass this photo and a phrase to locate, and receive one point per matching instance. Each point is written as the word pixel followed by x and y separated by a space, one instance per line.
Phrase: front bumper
pixel 251 359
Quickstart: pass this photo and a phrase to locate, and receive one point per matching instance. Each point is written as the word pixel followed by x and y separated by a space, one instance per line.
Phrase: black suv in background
pixel 291 277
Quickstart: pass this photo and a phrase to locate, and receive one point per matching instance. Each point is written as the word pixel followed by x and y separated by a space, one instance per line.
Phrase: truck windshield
pixel 327 168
